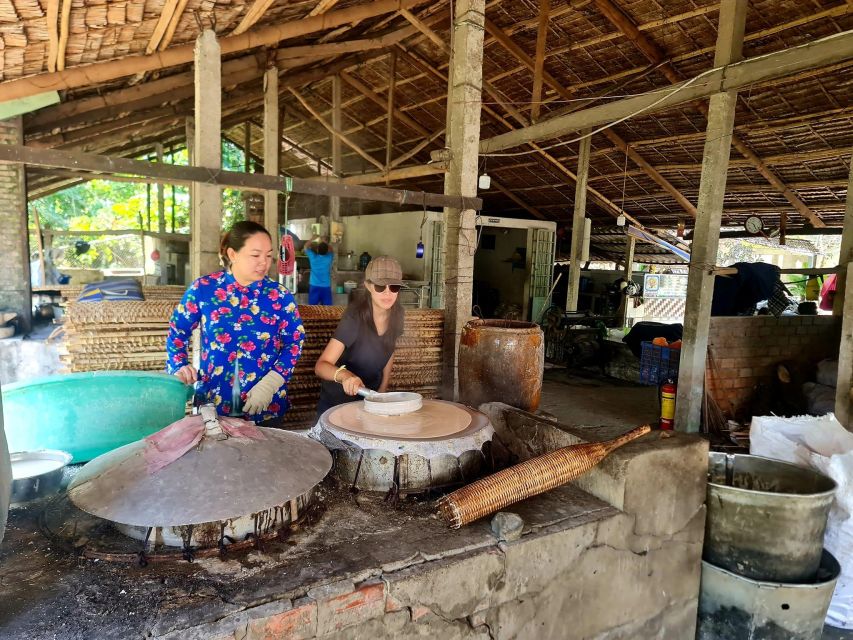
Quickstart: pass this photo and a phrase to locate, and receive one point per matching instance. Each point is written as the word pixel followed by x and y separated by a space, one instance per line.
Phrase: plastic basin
pixel 87 414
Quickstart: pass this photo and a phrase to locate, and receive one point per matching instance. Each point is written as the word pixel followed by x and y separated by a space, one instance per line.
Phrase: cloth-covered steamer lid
pixel 384 270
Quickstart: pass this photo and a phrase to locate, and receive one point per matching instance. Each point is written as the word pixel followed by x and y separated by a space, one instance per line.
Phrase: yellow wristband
pixel 337 371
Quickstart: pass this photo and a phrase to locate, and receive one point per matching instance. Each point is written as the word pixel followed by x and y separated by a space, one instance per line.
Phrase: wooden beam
pixel 655 55
pixel 179 174
pixel 431 35
pixel 627 275
pixel 819 53
pixel 374 97
pixel 322 7
pixel 161 195
pixel 578 223
pixel 306 52
pixel 539 62
pixel 521 203
pixel 163 22
pixel 272 150
pixel 100 72
pixel 337 151
pixel 563 92
pixel 404 173
pixel 417 148
pixel 352 145
pixel 389 124
pixel 464 105
pixel 206 198
pixel 52 34
pixel 64 24
pixel 254 13
pixel 166 40
pixel 703 250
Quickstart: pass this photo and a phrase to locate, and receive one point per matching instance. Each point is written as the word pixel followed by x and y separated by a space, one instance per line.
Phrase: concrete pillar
pixel 206 199
pixel 15 290
pixel 578 223
pixel 272 153
pixel 706 237
pixel 463 139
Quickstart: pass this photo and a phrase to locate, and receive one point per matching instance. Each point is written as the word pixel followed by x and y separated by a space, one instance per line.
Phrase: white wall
pixel 392 234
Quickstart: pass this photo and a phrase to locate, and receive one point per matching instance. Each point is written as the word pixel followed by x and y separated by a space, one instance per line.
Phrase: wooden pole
pixel 272 146
pixel 578 221
pixel 712 190
pixel 337 150
pixel 846 254
pixel 464 103
pixel 539 67
pixel 844 387
pixel 627 275
pixel 206 216
pixel 389 128
pixel 161 194
pixel 819 53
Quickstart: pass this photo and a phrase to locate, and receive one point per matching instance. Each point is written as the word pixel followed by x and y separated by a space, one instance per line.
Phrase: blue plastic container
pixel 87 414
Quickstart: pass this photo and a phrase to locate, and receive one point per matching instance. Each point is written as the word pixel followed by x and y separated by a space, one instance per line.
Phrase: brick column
pixel 15 290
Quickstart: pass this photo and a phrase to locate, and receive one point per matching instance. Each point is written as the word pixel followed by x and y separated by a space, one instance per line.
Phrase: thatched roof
pixel 801 127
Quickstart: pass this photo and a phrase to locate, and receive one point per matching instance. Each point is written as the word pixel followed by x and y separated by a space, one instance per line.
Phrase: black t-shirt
pixel 365 354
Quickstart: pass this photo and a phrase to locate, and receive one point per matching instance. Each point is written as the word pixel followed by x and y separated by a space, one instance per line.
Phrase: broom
pixel 527 479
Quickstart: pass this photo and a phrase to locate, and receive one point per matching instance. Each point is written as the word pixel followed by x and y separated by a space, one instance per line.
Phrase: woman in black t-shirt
pixel 361 353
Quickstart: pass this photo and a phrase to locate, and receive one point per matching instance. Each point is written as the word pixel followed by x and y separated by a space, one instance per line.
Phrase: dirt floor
pixel 589 399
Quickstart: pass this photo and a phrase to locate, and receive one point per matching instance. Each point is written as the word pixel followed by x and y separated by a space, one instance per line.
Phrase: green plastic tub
pixel 87 414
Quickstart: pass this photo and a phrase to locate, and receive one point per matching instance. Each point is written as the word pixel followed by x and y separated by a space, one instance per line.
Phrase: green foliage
pixel 102 205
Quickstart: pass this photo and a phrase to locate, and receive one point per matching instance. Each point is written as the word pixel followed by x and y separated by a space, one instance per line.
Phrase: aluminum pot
pixel 766 519
pixel 37 474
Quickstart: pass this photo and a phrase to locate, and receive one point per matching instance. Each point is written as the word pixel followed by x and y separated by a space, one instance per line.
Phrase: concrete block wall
pixel 745 351
pixel 15 274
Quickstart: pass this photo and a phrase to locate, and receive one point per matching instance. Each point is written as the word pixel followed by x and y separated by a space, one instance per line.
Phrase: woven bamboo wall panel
pixel 131 335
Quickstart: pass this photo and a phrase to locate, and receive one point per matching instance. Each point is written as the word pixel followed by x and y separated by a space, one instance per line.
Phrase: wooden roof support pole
pixel 163 22
pixel 655 55
pixel 99 72
pixel 322 7
pixel 374 97
pixel 521 203
pixel 252 15
pixel 389 128
pixel 272 146
pixel 844 386
pixel 627 275
pixel 406 173
pixel 336 132
pixel 52 34
pixel 464 104
pixel 166 40
pixel 578 223
pixel 539 63
pixel 337 151
pixel 206 199
pixel 706 237
pixel 566 94
pixel 418 147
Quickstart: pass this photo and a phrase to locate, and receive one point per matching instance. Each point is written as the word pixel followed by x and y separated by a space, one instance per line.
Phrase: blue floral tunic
pixel 258 324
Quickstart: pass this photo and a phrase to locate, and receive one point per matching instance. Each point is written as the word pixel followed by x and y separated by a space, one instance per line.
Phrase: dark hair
pixel 361 307
pixel 236 237
pixel 322 248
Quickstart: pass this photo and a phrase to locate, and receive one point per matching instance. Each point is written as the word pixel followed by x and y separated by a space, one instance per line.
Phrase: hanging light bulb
pixel 620 220
pixel 419 251
pixel 484 181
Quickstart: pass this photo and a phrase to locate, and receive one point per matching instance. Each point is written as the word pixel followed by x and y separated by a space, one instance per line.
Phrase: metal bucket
pixel 732 607
pixel 765 518
pixel 37 474
pixel 501 360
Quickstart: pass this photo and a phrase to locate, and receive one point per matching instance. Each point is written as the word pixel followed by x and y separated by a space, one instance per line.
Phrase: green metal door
pixel 541 269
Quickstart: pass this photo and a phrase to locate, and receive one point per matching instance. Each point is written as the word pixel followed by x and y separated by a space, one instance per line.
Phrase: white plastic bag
pixel 822 444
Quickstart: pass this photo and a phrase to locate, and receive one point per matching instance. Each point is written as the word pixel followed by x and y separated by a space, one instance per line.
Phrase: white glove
pixel 259 397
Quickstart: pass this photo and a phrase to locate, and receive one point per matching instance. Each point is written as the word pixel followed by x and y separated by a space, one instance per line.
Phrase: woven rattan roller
pixel 527 479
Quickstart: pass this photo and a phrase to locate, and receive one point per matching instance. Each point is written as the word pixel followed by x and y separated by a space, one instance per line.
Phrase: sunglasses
pixel 380 288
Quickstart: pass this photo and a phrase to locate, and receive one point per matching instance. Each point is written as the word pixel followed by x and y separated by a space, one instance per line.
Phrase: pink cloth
pixel 827 292
pixel 169 444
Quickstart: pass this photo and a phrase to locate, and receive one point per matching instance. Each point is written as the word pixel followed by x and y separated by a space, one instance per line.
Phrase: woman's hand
pixel 352 384
pixel 187 374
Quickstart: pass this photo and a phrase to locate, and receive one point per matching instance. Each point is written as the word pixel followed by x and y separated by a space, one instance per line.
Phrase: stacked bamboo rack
pixel 131 335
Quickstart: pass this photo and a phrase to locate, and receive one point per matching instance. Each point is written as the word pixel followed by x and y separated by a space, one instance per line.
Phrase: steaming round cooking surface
pixel 435 419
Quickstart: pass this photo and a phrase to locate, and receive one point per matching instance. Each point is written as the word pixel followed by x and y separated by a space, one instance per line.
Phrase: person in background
pixel 361 353
pixel 320 285
pixel 249 322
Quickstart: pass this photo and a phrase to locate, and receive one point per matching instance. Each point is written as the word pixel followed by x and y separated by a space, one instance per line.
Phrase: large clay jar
pixel 501 361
